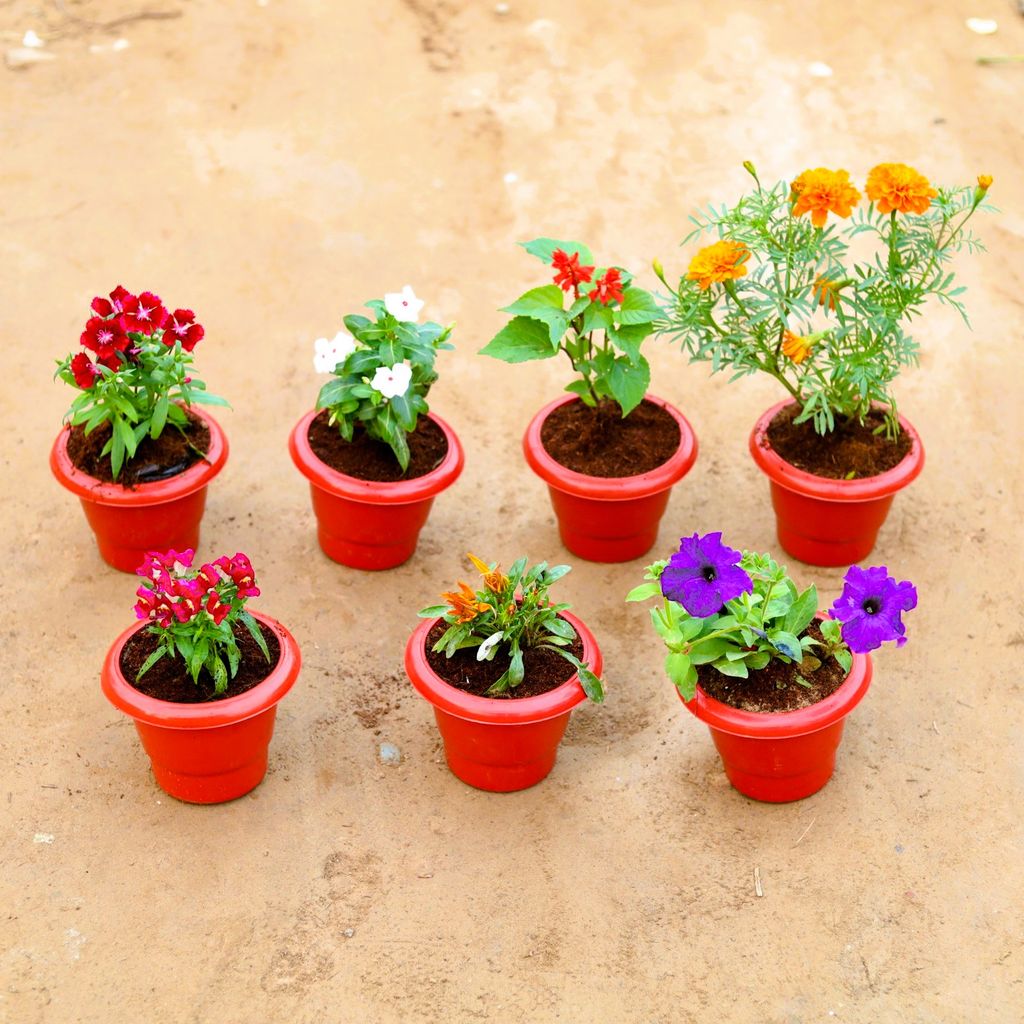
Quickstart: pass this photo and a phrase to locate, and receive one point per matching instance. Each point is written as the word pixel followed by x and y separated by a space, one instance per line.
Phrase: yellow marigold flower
pixel 721 261
pixel 494 579
pixel 984 182
pixel 795 347
pixel 464 604
pixel 899 187
pixel 826 291
pixel 820 192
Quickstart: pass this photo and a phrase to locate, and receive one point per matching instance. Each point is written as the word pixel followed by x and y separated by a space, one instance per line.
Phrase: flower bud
pixel 749 167
pixel 984 182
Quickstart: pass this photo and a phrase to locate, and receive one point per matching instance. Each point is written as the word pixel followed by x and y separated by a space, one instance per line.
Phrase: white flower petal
pixel 404 305
pixel 485 648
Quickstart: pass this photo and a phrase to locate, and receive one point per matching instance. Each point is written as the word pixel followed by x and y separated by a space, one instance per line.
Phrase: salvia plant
pixel 383 369
pixel 737 611
pixel 593 315
pixel 135 372
pixel 193 612
pixel 510 613
pixel 779 292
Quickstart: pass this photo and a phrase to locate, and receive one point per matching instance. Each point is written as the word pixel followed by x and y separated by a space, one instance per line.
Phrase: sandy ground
pixel 272 165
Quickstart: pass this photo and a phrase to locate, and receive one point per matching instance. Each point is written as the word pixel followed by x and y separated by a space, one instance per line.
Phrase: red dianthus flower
pixel 181 326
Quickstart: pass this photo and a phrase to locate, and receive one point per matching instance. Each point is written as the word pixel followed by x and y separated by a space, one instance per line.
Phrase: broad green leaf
pixel 628 383
pixel 682 673
pixel 701 654
pixel 644 591
pixel 519 341
pixel 844 657
pixel 738 669
pixel 629 339
pixel 591 684
pixel 803 611
pixel 544 304
pixel 786 643
pixel 596 317
pixel 638 307
pixel 543 248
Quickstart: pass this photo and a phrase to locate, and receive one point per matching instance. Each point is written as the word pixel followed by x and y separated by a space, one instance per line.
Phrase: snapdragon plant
pixel 383 370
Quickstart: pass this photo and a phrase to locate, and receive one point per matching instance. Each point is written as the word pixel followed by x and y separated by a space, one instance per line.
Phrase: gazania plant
pixel 193 612
pixel 382 370
pixel 778 292
pixel 507 614
pixel 737 611
pixel 134 371
pixel 593 315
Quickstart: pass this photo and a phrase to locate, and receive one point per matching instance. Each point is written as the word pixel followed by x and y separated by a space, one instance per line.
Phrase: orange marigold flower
pixel 464 604
pixel 984 182
pixel 795 347
pixel 494 579
pixel 722 261
pixel 821 192
pixel 826 291
pixel 899 187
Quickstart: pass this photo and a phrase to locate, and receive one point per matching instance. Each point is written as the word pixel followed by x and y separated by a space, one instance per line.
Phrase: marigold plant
pixel 780 293
pixel 594 315
pixel 510 613
pixel 383 370
pixel 134 371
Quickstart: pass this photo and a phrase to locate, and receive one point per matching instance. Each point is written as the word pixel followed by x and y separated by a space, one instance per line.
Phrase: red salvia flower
pixel 84 370
pixel 569 272
pixel 106 338
pixel 145 314
pixel 608 288
pixel 181 326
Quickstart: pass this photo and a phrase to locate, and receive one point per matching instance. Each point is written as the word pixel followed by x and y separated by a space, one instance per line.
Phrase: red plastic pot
pixel 155 516
pixel 366 524
pixel 499 744
pixel 788 755
pixel 213 752
pixel 609 519
pixel 830 522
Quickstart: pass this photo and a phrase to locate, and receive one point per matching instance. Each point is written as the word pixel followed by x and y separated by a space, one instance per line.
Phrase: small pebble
pixel 31 39
pixel 349 932
pixel 982 26
pixel 42 837
pixel 390 754
pixel 819 69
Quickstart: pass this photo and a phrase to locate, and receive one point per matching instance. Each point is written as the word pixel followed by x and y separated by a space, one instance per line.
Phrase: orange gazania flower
pixel 494 579
pixel 464 604
pixel 821 192
pixel 826 291
pixel 899 187
pixel 795 347
pixel 721 261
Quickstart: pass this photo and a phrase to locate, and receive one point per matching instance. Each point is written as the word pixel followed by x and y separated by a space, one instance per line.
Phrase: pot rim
pixel 488 710
pixel 210 715
pixel 783 724
pixel 157 492
pixel 786 475
pixel 375 492
pixel 614 488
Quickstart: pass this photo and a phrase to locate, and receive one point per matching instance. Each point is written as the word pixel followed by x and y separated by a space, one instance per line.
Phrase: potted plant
pixel 135 449
pixel 374 454
pixel 503 668
pixel 781 293
pixel 201 675
pixel 609 452
pixel 753 658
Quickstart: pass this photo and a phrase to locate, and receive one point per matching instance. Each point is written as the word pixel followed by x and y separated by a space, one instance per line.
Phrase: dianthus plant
pixel 594 315
pixel 779 292
pixel 193 612
pixel 737 611
pixel 135 372
pixel 383 369
pixel 510 614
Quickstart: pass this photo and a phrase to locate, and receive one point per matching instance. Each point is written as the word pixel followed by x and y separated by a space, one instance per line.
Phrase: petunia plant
pixel 780 293
pixel 509 614
pixel 193 612
pixel 383 369
pixel 737 611
pixel 593 315
pixel 134 371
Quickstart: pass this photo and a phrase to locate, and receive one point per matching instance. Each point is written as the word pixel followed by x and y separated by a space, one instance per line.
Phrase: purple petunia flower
pixel 870 607
pixel 703 574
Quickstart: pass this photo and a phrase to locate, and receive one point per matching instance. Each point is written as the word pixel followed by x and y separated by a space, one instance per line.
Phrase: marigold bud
pixel 748 166
pixel 984 182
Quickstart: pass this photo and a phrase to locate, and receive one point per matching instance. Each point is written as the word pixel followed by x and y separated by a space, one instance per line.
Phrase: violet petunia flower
pixel 703 574
pixel 870 608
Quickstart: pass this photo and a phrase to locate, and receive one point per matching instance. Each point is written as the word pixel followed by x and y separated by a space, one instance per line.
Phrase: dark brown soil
pixel 850 452
pixel 170 454
pixel 169 678
pixel 599 442
pixel 544 668
pixel 775 687
pixel 369 459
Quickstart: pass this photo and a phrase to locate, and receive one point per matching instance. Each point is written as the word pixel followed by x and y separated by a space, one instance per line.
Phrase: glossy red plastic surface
pixel 206 753
pixel 365 524
pixel 830 522
pixel 500 745
pixel 156 516
pixel 786 756
pixel 609 519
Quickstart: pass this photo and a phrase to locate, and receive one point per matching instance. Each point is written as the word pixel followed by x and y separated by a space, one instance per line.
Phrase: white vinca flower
pixel 392 381
pixel 491 642
pixel 404 305
pixel 327 354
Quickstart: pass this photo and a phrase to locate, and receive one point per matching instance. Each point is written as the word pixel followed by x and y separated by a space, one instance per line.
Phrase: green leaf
pixel 519 341
pixel 628 383
pixel 433 611
pixel 332 393
pixel 703 653
pixel 738 669
pixel 150 662
pixel 786 643
pixel 561 628
pixel 844 657
pixel 543 248
pixel 803 610
pixel 592 686
pixel 638 307
pixel 515 668
pixel 596 317
pixel 644 592
pixel 159 416
pixel 629 339
pixel 544 304
pixel 682 673
pixel 255 632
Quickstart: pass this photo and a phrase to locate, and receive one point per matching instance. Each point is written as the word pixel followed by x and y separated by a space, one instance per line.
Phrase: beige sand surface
pixel 272 164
